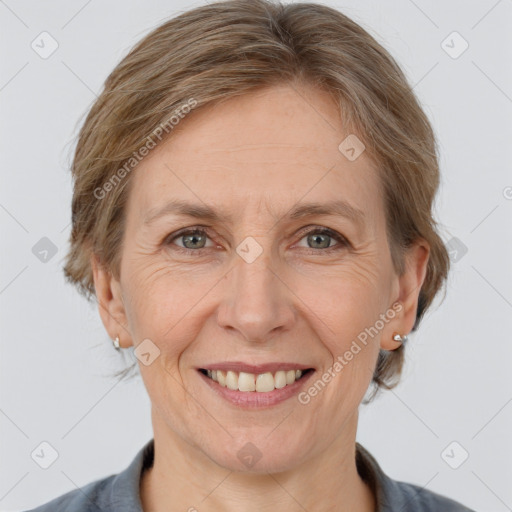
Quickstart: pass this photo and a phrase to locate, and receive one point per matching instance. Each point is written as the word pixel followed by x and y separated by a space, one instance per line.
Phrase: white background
pixel 56 356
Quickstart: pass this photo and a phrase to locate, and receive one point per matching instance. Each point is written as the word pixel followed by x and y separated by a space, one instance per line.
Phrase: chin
pixel 260 454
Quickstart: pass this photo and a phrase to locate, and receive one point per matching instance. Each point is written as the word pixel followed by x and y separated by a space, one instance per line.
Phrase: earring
pixel 401 339
pixel 117 346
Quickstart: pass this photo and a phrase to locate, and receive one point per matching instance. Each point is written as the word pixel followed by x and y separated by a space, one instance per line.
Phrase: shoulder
pixel 392 495
pixel 85 499
pixel 413 498
pixel 115 492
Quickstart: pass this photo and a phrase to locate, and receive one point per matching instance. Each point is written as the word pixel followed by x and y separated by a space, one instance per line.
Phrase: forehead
pixel 274 148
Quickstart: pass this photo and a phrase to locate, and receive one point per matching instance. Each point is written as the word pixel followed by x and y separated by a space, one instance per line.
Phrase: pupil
pixel 192 238
pixel 315 237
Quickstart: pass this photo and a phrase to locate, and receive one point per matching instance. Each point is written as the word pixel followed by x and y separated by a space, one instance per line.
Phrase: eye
pixel 194 240
pixel 319 237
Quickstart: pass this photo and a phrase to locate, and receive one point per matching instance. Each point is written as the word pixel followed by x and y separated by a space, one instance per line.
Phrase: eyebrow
pixel 340 208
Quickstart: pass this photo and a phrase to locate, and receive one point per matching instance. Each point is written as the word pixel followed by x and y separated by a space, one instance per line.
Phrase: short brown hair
pixel 229 48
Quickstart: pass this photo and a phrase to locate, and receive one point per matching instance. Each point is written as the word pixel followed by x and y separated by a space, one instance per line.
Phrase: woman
pixel 252 212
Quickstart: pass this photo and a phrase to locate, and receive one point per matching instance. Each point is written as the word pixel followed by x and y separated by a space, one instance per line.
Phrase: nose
pixel 258 305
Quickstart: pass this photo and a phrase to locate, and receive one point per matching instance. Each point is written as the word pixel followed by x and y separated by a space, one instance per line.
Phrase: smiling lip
pixel 256 369
pixel 257 400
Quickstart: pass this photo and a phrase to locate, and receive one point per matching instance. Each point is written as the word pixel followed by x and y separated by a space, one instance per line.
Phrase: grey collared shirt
pixel 120 493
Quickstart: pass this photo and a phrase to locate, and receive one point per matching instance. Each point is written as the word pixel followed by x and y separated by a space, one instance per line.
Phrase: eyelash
pixel 343 242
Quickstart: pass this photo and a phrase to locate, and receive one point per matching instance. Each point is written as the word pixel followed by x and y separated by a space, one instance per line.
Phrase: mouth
pixel 263 387
pixel 258 383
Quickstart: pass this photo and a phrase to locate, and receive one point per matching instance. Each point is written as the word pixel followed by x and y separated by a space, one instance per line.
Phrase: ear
pixel 110 303
pixel 409 286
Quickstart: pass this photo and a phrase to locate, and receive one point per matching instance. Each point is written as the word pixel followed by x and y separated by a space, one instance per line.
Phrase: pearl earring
pixel 116 343
pixel 401 339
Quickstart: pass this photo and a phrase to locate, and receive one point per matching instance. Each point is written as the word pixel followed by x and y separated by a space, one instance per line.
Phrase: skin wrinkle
pixel 287 305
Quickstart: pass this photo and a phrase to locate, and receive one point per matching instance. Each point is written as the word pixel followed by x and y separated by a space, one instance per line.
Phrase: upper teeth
pixel 263 382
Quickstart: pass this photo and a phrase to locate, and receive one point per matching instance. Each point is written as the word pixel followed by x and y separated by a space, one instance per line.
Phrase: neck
pixel 184 478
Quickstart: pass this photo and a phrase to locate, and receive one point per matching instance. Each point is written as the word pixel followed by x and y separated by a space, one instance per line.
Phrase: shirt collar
pixel 388 494
pixel 125 490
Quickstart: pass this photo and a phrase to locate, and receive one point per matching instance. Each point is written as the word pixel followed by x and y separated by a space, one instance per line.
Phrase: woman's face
pixel 260 286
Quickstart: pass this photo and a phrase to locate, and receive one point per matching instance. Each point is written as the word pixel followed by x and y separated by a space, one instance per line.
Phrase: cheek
pixel 156 299
pixel 162 295
pixel 345 305
pixel 347 296
pixel 353 345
